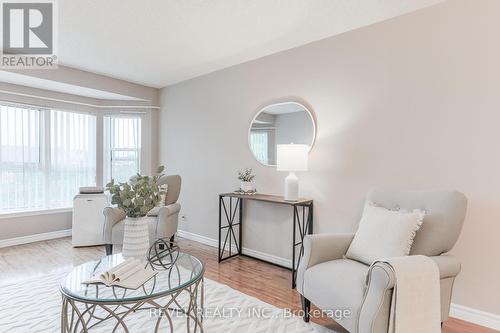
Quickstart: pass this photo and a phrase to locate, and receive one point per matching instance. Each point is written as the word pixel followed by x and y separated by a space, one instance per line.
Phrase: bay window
pixel 45 156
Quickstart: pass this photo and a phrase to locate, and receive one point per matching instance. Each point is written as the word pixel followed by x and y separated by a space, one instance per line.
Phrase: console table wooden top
pixel 268 198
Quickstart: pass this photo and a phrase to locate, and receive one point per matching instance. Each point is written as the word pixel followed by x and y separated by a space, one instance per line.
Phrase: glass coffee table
pixel 174 294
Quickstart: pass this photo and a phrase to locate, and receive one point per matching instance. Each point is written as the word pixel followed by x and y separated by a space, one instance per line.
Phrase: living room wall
pixel 409 103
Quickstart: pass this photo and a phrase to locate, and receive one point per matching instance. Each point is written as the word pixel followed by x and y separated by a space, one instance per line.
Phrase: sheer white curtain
pixel 21 161
pixel 122 147
pixel 45 156
pixel 72 155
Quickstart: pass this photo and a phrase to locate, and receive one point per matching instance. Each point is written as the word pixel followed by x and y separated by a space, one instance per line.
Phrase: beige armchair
pixel 333 283
pixel 163 220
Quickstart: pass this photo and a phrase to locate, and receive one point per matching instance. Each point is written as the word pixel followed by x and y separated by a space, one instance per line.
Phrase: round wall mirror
pixel 280 123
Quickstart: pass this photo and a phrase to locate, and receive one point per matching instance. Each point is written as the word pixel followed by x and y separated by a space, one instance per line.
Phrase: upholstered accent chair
pixel 332 282
pixel 163 220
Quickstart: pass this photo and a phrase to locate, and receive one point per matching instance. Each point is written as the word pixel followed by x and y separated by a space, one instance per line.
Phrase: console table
pixel 230 239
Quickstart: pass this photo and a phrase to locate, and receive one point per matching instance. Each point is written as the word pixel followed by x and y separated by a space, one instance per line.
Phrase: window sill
pixel 35 212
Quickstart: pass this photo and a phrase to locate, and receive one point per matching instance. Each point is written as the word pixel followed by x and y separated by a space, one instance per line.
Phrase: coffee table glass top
pixel 169 279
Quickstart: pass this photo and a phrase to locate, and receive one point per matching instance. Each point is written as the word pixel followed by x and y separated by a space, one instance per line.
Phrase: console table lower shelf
pixel 231 225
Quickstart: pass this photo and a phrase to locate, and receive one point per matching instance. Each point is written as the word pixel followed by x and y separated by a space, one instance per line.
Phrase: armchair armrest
pixel 169 210
pixel 380 283
pixel 168 220
pixel 320 248
pixel 448 265
pixel 112 215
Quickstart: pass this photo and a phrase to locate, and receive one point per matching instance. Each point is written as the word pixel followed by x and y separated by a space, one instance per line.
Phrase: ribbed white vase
pixel 135 237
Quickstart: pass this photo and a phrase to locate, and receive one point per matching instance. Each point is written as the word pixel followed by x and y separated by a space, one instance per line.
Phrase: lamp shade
pixel 292 157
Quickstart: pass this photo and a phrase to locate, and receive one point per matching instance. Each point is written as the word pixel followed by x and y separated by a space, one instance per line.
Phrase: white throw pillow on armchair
pixel 163 197
pixel 384 233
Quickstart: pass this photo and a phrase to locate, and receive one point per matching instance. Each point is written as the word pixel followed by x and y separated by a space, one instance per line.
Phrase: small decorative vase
pixel 246 186
pixel 136 237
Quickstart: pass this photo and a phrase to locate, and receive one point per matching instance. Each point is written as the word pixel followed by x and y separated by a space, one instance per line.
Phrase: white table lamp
pixel 292 158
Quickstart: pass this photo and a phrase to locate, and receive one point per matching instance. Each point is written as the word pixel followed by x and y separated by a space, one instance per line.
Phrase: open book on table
pixel 130 274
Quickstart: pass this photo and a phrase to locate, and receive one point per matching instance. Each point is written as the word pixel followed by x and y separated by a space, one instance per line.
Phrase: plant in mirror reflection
pixel 137 196
pixel 246 175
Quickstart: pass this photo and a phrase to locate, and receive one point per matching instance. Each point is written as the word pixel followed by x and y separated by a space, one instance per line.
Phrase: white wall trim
pixel 198 238
pixel 475 316
pixel 34 238
pixel 254 253
pixel 268 257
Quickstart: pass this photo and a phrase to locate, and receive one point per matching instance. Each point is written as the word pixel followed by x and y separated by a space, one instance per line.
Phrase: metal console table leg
pixel 230 211
pixel 304 226
pixel 230 243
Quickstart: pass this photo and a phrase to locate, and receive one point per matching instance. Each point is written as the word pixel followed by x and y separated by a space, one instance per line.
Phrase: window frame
pixel 270 137
pixel 107 164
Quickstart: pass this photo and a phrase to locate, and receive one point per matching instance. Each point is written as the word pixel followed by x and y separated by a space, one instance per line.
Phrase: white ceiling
pixel 161 42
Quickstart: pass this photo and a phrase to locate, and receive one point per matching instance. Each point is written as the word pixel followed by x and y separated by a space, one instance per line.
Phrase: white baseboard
pixel 268 257
pixel 198 238
pixel 34 238
pixel 254 253
pixel 475 316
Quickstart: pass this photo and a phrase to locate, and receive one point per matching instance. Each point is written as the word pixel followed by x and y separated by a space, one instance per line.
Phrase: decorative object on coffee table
pixel 163 254
pixel 136 198
pixel 246 176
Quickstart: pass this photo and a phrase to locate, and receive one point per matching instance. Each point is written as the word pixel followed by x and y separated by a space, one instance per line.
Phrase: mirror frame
pixel 307 109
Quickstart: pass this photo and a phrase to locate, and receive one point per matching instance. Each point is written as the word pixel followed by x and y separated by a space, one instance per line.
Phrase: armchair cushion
pixel 321 248
pixel 384 233
pixel 337 285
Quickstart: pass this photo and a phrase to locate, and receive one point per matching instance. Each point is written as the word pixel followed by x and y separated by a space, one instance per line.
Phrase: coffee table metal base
pixel 82 315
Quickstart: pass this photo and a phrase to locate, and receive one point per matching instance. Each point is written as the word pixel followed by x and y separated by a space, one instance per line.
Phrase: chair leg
pixel 306 306
pixel 172 240
pixel 109 249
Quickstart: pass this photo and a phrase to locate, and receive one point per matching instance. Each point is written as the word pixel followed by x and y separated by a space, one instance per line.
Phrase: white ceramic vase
pixel 246 186
pixel 135 237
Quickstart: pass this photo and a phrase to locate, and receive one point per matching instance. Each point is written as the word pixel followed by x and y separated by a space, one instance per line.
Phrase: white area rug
pixel 34 305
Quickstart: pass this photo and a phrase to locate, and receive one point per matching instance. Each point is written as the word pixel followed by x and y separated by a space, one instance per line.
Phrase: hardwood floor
pixel 267 282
